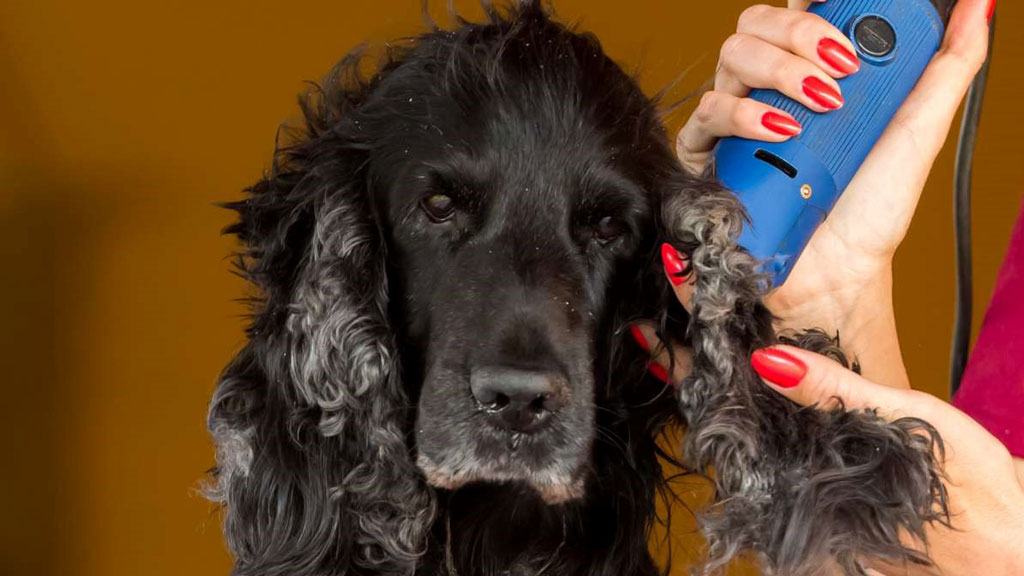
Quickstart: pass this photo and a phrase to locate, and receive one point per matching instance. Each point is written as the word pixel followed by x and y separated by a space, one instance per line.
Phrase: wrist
pixel 861 313
pixel 831 296
pixel 1004 553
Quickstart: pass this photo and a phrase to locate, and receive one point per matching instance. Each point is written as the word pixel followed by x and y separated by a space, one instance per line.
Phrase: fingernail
pixel 838 56
pixel 778 367
pixel 641 340
pixel 991 9
pixel 675 264
pixel 658 372
pixel 824 95
pixel 781 124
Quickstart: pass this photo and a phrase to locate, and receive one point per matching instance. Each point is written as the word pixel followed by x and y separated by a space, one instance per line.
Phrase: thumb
pixel 809 379
pixel 902 158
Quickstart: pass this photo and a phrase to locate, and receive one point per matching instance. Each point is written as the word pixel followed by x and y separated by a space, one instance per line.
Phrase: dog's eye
pixel 439 207
pixel 607 229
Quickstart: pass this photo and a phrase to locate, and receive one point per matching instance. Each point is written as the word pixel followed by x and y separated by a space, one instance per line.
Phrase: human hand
pixel 792 51
pixel 985 485
pixel 781 48
pixel 986 499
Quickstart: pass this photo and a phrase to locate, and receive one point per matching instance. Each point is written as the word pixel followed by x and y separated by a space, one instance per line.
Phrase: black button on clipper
pixel 875 36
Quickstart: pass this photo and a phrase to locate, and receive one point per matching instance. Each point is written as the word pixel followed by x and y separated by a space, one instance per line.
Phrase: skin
pixel 987 500
pixel 776 48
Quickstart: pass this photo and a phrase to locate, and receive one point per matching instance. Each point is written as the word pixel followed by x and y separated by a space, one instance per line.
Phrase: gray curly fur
pixel 341 439
pixel 807 490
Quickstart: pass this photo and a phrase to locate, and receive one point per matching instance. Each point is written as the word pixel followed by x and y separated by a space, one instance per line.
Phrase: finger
pixel 895 568
pixel 680 274
pixel 720 115
pixel 676 358
pixel 802 4
pixel 904 155
pixel 749 62
pixel 805 34
pixel 811 379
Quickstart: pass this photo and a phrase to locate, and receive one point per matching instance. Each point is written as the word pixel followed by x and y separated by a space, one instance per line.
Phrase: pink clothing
pixel 993 387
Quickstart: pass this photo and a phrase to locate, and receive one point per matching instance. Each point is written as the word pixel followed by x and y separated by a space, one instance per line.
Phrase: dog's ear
pixel 313 469
pixel 789 481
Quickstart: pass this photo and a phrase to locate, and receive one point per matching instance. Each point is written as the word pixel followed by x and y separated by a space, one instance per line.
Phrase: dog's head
pixel 447 259
pixel 513 180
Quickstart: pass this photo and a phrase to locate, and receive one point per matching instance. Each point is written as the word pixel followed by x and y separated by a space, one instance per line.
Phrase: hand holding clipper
pixel 788 188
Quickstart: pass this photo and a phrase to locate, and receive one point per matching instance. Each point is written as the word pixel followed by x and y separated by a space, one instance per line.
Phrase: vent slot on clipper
pixel 783 166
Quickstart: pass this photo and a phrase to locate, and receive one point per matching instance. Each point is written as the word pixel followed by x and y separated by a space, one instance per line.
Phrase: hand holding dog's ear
pixel 676 358
pixel 986 497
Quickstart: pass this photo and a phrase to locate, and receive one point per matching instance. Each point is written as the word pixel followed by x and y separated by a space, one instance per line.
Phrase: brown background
pixel 122 121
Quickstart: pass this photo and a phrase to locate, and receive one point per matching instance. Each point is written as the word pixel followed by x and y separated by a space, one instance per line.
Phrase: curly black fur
pixel 344 449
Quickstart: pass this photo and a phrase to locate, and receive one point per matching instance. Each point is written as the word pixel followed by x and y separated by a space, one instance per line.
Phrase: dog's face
pixel 505 245
pixel 511 205
pixel 449 255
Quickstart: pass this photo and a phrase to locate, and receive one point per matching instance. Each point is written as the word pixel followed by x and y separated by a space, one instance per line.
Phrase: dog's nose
pixel 519 400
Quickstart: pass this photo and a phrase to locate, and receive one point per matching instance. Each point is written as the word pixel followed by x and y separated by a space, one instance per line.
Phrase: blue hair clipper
pixel 789 188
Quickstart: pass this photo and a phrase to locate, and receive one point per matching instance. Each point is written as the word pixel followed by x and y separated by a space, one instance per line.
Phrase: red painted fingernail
pixel 991 9
pixel 838 56
pixel 781 124
pixel 658 372
pixel 675 264
pixel 641 340
pixel 778 367
pixel 824 95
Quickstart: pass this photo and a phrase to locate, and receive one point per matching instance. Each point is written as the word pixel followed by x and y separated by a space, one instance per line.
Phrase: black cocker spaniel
pixel 438 378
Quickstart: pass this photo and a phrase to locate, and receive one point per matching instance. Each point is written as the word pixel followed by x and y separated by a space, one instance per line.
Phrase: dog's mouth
pixel 506 425
pixel 552 462
pixel 555 485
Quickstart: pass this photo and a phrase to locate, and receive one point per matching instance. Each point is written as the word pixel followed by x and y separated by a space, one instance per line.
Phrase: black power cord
pixel 962 217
